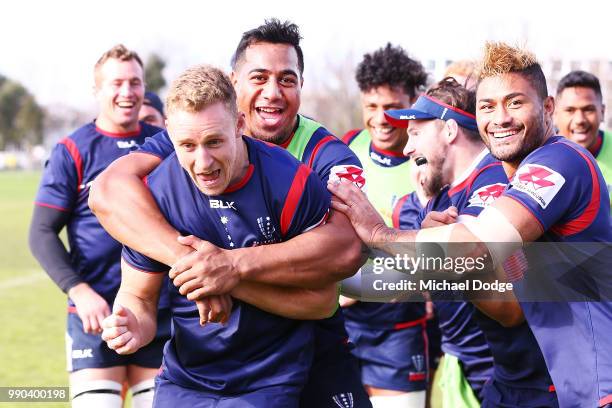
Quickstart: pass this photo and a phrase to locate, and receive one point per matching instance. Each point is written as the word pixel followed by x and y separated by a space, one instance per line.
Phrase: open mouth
pixel 208 178
pixel 270 115
pixel 420 160
pixel 126 104
pixel 502 134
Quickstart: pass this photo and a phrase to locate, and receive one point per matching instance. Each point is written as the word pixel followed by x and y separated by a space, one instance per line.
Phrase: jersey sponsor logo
pixel 344 400
pixel 539 182
pixel 484 196
pixel 349 172
pixel 378 158
pixel 224 205
pixel 84 353
pixel 122 144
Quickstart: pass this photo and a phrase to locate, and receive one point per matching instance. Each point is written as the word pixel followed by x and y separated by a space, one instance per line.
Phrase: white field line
pixel 33 277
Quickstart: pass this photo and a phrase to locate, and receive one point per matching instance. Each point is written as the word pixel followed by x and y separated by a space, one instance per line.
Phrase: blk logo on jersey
pixel 348 172
pixel 539 182
pixel 220 204
pixel 122 144
pixel 84 353
pixel 484 196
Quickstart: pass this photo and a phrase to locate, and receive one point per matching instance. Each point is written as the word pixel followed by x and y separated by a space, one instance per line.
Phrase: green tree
pixel 154 75
pixel 21 118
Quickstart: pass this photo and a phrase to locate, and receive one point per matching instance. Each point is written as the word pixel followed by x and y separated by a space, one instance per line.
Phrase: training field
pixel 32 308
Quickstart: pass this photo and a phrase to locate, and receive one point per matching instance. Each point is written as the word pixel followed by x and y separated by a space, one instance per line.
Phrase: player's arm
pixel 292 303
pixel 125 207
pixel 133 322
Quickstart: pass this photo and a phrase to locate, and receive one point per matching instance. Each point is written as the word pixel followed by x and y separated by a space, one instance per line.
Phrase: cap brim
pixel 400 117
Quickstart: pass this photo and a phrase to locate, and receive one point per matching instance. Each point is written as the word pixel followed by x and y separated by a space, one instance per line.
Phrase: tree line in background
pixel 21 118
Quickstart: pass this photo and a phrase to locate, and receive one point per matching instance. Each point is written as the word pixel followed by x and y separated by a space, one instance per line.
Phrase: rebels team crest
pixel 484 196
pixel 539 182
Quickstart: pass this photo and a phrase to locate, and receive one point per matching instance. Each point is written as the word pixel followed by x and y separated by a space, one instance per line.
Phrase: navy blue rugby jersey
pixel 74 163
pixel 278 199
pixel 562 187
pixel 317 148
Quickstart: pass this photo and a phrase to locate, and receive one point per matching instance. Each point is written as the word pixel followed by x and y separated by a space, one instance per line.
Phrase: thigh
pixel 168 394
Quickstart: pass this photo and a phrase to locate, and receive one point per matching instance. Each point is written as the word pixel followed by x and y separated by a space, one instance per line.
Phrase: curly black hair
pixel 271 31
pixel 393 67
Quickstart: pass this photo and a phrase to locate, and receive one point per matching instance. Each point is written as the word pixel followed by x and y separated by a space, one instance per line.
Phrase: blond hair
pixel 118 52
pixel 465 68
pixel 500 58
pixel 199 87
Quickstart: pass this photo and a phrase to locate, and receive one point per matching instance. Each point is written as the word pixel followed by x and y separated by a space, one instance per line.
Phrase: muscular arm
pixel 292 303
pixel 134 320
pixel 126 209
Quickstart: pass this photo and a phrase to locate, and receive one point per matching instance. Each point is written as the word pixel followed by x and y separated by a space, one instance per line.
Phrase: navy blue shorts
pixel 90 351
pixel 168 394
pixel 498 395
pixel 392 359
pixel 334 381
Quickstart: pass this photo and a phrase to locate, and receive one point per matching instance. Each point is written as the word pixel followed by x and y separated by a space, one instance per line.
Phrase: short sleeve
pixel 159 145
pixel 486 188
pixel 306 205
pixel 141 262
pixel 555 183
pixel 61 177
pixel 334 153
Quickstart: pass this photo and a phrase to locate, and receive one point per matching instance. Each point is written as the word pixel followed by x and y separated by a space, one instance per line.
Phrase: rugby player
pixel 267 74
pixel 470 179
pixel 556 194
pixel 152 110
pixel 389 338
pixel 257 358
pixel 90 272
pixel 578 115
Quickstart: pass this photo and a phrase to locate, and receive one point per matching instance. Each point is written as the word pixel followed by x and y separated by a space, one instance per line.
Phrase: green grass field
pixel 32 308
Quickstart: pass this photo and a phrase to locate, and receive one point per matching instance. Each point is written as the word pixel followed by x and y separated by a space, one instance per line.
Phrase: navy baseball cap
pixel 151 99
pixel 427 107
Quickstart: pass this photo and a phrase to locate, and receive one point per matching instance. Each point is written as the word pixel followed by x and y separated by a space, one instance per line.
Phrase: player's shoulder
pixel 169 171
pixel 350 136
pixel 560 154
pixel 147 130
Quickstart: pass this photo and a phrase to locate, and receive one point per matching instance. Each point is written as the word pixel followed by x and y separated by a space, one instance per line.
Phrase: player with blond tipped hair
pixel 556 195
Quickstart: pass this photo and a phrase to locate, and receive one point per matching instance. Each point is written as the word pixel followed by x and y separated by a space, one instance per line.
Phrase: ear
pixel 451 129
pixel 301 82
pixel 234 78
pixel 603 113
pixel 240 124
pixel 549 110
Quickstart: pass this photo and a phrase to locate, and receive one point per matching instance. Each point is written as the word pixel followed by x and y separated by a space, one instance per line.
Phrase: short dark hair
pixel 393 67
pixel 501 58
pixel 449 91
pixel 275 32
pixel 580 79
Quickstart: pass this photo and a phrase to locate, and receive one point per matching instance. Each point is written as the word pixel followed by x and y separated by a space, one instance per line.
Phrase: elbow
pixel 97 201
pixel 511 319
pixel 351 258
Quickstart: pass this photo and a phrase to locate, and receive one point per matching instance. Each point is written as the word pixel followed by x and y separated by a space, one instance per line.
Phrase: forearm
pixel 324 255
pixel 292 303
pixel 126 209
pixel 48 248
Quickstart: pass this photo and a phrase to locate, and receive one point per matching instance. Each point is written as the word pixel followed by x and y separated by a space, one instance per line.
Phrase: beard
pixel 434 179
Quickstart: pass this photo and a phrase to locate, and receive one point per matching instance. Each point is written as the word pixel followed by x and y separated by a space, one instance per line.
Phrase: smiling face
pixel 426 141
pixel 268 87
pixel 119 90
pixel 578 114
pixel 208 146
pixel 374 103
pixel 513 120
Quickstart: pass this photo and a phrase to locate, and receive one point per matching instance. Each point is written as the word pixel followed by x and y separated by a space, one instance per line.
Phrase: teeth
pixel 126 104
pixel 504 134
pixel 269 110
pixel 385 130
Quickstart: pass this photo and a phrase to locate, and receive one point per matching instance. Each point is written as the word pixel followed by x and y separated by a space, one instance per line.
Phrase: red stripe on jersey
pixel 552 388
pixel 350 135
pixel 237 186
pixel 467 183
pixel 605 400
pixel 323 141
pixel 72 309
pixel 293 197
pixel 119 135
pixel 76 157
pixel 145 181
pixel 589 214
pixel 416 376
pixel 397 210
pixel 55 207
pixel 422 322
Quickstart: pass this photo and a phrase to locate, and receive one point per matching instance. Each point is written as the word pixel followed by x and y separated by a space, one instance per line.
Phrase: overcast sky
pixel 51 46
